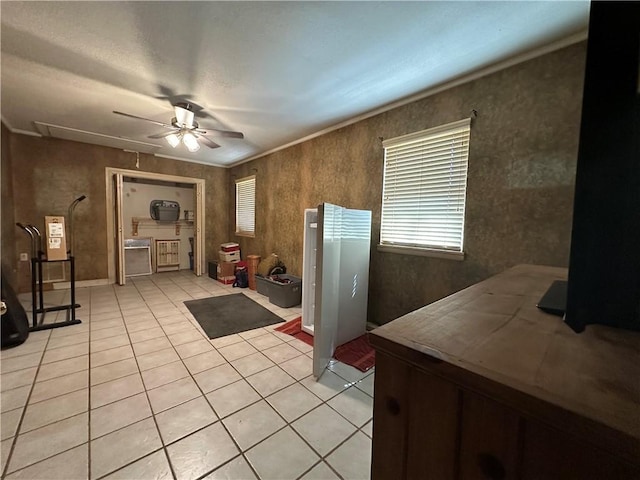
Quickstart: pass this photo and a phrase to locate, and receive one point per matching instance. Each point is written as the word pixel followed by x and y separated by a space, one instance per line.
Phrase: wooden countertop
pixel 493 330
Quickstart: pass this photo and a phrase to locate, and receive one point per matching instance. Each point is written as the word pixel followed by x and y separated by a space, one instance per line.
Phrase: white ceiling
pixel 277 71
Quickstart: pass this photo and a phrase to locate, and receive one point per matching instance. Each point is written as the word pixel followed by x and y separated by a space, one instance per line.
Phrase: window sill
pixel 422 252
pixel 247 235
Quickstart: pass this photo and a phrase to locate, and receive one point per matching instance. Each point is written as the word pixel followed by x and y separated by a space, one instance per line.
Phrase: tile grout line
pixel 204 395
pixel 261 398
pixel 219 418
pixel 146 392
pixel 5 470
pixel 89 414
pixel 322 458
pixel 139 373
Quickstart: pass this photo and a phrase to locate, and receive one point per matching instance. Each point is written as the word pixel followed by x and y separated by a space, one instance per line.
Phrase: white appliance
pixel 309 269
pixel 335 284
pixel 137 256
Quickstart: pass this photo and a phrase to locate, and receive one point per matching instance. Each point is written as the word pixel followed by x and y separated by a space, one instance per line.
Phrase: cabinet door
pixel 550 454
pixel 489 440
pixel 390 415
pixel 432 428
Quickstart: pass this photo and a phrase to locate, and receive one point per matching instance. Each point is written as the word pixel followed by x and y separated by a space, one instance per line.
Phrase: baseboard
pixel 82 283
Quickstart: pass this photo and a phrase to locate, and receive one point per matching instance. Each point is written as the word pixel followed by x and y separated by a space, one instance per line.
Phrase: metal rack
pixel 37 285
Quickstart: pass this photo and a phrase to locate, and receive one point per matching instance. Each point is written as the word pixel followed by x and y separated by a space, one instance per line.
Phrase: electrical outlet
pixel 24 257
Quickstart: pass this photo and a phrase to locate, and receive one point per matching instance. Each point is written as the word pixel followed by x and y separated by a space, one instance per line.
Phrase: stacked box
pixel 227 280
pixel 226 269
pixel 229 247
pixel 229 256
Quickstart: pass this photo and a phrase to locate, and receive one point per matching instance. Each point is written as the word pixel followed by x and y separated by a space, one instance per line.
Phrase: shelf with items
pixel 137 222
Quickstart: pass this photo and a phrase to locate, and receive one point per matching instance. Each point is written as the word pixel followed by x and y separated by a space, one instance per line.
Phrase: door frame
pixel 199 214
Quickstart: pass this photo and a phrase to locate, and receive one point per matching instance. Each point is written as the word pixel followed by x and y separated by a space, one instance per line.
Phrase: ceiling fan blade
pixel 164 135
pixel 220 133
pixel 165 125
pixel 207 141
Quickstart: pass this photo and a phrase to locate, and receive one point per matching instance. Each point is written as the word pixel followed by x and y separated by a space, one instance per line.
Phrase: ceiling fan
pixel 183 128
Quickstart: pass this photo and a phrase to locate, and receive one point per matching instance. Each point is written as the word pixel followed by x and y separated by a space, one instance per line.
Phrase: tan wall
pixel 48 174
pixel 522 161
pixel 8 217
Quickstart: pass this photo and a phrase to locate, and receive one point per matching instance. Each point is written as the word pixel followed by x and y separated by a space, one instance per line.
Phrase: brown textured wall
pixel 48 174
pixel 9 267
pixel 520 186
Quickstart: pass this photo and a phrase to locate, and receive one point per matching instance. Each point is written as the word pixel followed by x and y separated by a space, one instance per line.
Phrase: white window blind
pixel 246 206
pixel 425 180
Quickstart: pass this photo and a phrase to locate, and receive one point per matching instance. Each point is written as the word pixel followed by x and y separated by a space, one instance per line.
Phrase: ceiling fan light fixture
pixel 173 140
pixel 191 142
pixel 184 116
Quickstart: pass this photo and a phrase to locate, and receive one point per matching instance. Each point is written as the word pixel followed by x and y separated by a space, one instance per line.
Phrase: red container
pixel 229 247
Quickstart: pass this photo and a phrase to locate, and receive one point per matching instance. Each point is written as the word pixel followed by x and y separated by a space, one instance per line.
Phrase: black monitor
pixel 604 268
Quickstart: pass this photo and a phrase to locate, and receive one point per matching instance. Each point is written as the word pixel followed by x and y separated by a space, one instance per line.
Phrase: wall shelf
pixel 137 222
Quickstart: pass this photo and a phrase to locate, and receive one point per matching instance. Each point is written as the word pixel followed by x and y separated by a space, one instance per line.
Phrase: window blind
pixel 246 206
pixel 424 188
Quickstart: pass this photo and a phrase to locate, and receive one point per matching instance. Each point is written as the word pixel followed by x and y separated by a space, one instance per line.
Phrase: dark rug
pixel 358 352
pixel 228 314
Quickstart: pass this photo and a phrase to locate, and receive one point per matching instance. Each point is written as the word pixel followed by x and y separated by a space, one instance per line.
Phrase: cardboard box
pixel 55 238
pixel 226 269
pixel 229 256
pixel 227 280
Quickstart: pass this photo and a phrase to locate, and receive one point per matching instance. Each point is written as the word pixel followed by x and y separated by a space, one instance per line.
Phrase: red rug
pixel 294 328
pixel 357 353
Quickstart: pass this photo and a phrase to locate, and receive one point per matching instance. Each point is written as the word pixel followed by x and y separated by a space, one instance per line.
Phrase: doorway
pixel 117 230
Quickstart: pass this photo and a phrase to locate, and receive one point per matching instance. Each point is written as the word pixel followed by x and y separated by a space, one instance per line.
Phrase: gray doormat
pixel 228 314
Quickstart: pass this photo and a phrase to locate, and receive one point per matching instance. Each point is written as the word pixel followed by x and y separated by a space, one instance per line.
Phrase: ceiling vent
pixel 76 135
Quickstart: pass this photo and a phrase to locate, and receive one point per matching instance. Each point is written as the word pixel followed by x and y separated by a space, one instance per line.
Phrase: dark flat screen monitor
pixel 604 267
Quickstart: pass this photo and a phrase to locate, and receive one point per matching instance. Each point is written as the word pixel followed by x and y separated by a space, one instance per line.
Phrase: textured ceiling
pixel 277 71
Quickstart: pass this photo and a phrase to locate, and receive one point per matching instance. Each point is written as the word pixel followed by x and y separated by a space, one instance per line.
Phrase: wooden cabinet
pixel 431 451
pixel 489 435
pixel 481 385
pixel 167 255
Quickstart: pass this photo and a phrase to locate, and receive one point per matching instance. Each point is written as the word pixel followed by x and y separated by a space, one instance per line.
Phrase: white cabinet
pixel 167 255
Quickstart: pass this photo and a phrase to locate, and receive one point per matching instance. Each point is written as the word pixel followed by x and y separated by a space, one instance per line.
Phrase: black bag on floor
pixel 15 324
pixel 242 278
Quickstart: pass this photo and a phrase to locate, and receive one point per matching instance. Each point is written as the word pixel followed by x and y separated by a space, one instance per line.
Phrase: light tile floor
pixel 138 391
